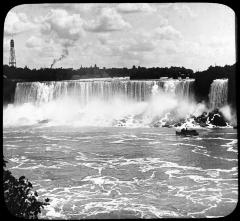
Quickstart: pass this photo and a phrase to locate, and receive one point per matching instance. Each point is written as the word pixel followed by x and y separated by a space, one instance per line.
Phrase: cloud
pixel 163 22
pixel 6 44
pixel 137 44
pixel 64 28
pixel 34 42
pixel 218 41
pixel 48 51
pixel 171 49
pixel 135 8
pixel 16 23
pixel 187 10
pixel 108 21
pixel 167 33
pixel 57 31
pixel 130 51
pixel 142 45
pixel 63 25
pixel 73 8
pixel 181 10
pixel 101 34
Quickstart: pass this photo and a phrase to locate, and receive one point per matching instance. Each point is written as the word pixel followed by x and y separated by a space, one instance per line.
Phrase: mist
pixel 97 112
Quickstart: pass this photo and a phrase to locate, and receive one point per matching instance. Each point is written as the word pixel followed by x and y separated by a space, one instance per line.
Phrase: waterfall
pixel 218 93
pixel 85 90
pixel 181 88
pixel 111 102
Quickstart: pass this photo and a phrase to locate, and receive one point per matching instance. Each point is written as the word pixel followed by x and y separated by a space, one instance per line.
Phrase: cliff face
pixel 8 91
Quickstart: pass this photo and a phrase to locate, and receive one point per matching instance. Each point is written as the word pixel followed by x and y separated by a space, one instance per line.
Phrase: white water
pixel 87 172
pixel 106 89
pixel 101 102
pixel 218 93
pixel 108 102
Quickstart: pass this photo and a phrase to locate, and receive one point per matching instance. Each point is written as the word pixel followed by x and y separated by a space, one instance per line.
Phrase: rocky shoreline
pixel 206 120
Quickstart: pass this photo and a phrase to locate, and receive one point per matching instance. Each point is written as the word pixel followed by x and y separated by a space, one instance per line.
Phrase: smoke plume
pixel 64 55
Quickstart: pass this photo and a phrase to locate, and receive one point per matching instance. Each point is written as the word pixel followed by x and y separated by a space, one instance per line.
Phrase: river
pixel 116 172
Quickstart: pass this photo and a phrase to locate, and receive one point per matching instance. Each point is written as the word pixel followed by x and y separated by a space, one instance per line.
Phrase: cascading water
pixel 85 90
pixel 181 88
pixel 101 102
pixel 218 93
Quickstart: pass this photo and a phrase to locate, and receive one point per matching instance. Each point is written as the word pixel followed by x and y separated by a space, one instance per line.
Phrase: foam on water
pixel 100 194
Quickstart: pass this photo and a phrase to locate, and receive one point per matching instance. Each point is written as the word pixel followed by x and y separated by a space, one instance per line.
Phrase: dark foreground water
pixel 126 173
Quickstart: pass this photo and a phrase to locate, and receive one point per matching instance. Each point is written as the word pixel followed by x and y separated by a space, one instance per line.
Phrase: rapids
pixel 119 172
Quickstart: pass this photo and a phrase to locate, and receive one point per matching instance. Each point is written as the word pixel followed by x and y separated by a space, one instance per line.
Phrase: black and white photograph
pixel 120 111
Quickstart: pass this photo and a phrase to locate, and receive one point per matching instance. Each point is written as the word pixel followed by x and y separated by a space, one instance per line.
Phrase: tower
pixel 12 58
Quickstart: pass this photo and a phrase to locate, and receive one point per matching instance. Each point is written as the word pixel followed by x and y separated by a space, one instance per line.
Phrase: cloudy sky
pixel 193 35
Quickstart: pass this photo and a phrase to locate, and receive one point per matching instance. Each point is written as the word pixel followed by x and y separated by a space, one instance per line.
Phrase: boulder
pixel 202 119
pixel 216 118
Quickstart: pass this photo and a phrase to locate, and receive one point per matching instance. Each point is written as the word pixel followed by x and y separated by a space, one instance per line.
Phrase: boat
pixel 187 132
